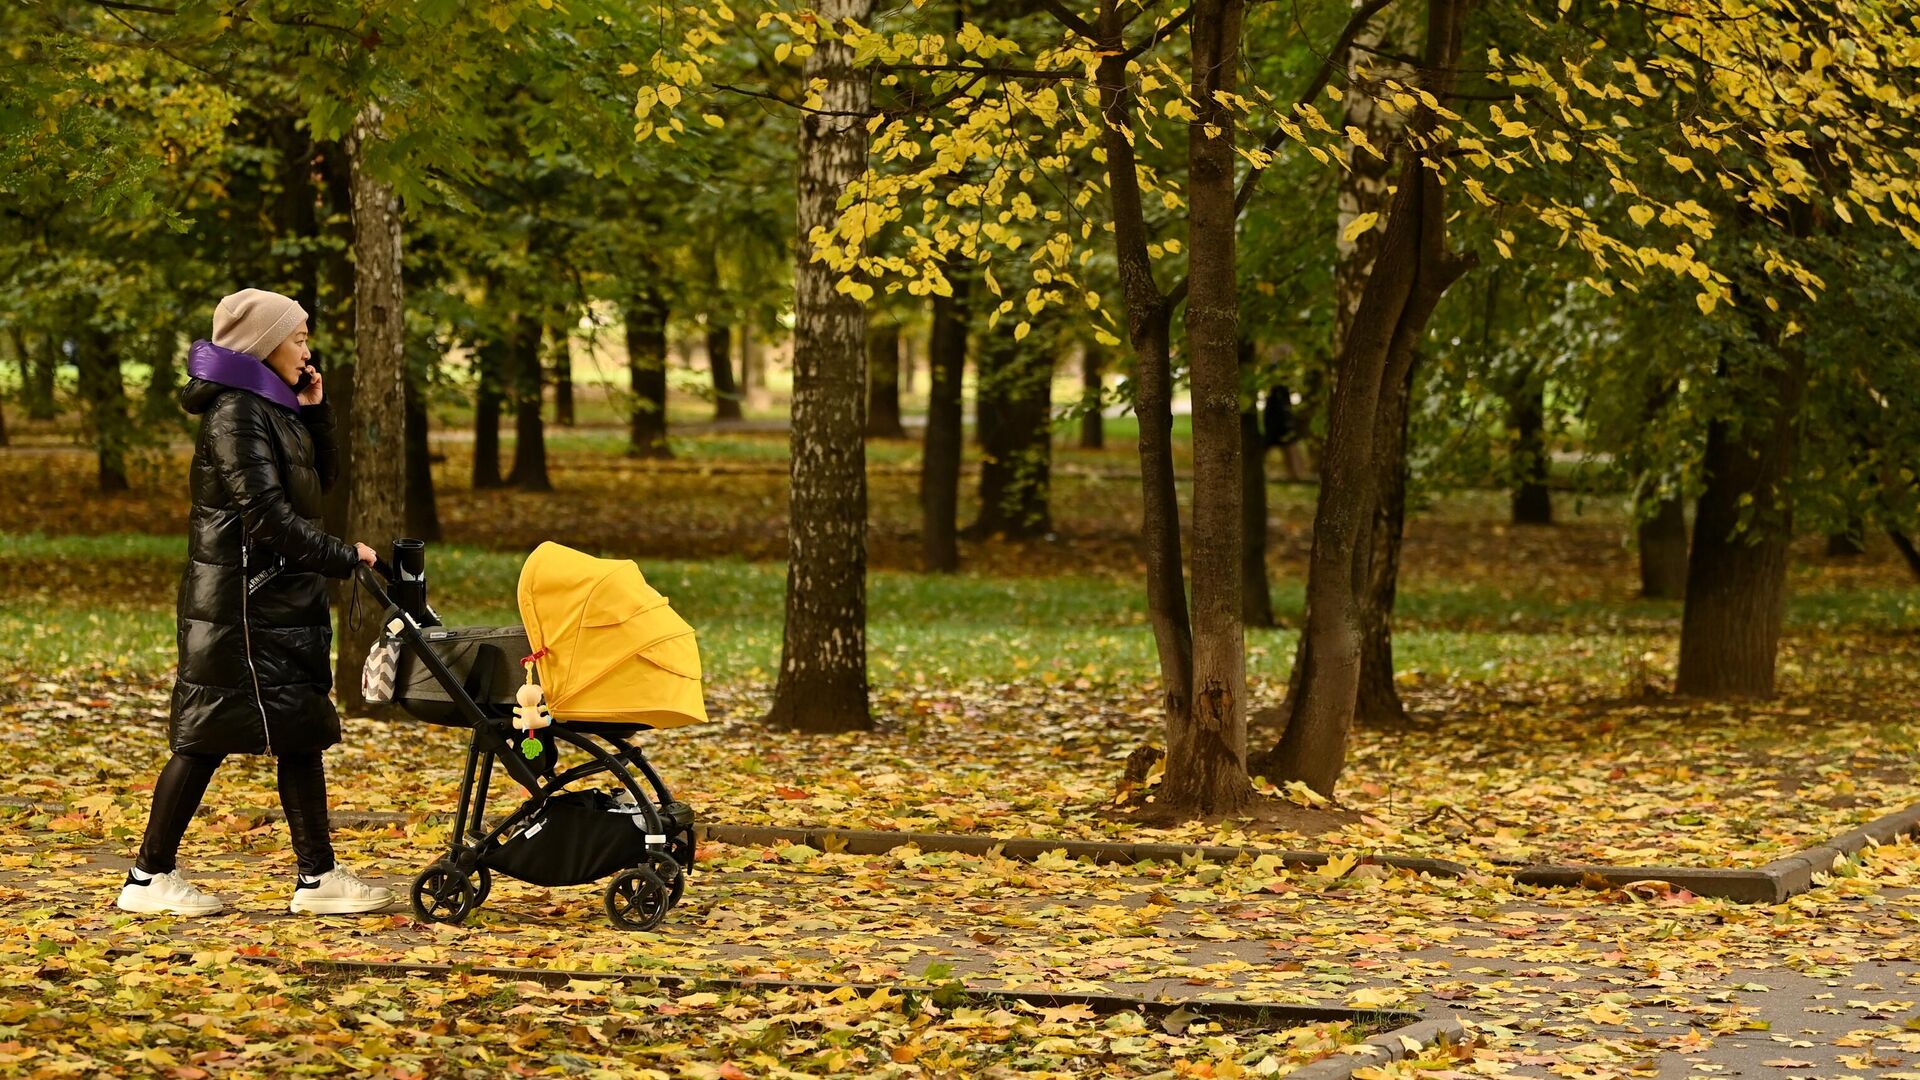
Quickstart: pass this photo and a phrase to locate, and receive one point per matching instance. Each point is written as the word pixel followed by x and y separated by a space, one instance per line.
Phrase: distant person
pixel 255 631
pixel 1281 430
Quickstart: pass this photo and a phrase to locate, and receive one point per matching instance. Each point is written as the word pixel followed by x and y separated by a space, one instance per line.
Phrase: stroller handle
pixel 372 584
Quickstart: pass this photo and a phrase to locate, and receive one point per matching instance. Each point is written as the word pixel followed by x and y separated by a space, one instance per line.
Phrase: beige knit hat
pixel 255 321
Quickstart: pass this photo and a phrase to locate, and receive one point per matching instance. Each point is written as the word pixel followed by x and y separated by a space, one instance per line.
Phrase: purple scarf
pixel 240 371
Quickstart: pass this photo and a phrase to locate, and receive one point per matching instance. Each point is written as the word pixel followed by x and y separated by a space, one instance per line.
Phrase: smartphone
pixel 305 380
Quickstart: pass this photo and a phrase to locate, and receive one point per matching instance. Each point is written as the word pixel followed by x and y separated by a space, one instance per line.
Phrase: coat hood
pixel 212 369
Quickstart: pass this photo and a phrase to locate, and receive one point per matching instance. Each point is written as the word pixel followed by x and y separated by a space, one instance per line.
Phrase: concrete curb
pixel 1773 883
pixel 1384 1049
pixel 1250 1013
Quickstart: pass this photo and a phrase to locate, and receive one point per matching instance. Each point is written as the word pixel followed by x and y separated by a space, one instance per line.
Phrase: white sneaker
pixel 337 892
pixel 165 894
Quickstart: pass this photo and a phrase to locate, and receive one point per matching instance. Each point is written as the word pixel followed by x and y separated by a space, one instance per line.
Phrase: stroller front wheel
pixel 667 869
pixel 637 899
pixel 442 894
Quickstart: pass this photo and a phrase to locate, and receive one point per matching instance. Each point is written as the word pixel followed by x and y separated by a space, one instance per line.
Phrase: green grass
pixel 923 629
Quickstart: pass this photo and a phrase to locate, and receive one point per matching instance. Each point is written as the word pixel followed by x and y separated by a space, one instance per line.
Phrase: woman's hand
pixel 313 394
pixel 364 553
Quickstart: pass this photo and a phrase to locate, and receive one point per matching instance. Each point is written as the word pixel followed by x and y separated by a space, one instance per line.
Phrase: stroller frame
pixel 456 884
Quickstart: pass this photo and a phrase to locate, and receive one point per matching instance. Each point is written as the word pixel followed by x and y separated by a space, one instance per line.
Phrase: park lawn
pixel 1007 704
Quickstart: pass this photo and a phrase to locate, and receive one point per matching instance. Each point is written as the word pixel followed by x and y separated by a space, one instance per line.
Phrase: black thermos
pixel 409 585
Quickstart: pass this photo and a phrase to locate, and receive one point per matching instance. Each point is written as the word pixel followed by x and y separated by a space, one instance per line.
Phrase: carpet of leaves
pixel 1491 775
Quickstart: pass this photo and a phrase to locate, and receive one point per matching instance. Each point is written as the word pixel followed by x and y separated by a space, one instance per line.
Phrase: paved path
pixel 1562 985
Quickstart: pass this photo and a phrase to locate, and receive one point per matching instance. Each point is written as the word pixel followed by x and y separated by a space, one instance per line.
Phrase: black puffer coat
pixel 255 632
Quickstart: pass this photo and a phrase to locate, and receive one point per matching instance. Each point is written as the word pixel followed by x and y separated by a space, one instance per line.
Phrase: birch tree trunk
pixel 823 662
pixel 376 502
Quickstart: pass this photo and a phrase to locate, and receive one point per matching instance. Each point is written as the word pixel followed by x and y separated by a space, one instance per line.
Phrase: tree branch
pixel 1071 21
pixel 122 5
pixel 1171 28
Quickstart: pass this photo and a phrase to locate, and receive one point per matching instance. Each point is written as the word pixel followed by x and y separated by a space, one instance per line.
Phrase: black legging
pixel 176 795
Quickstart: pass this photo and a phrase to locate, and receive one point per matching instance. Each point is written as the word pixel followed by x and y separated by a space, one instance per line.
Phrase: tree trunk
pixel 1737 570
pixel 646 318
pixel 160 404
pixel 376 505
pixel 883 381
pixel 560 344
pixel 490 362
pixel 1148 318
pixel 1256 599
pixel 37 370
pixel 823 660
pixel 1206 758
pixel 1663 548
pixel 1093 428
pixel 1377 703
pixel 1908 552
pixel 334 322
pixel 1527 454
pixel 751 377
pixel 103 390
pixel 529 472
pixel 726 394
pixel 1412 271
pixel 1015 390
pixel 423 511
pixel 940 460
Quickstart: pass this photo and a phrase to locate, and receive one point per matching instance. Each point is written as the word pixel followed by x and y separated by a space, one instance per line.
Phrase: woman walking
pixel 255 632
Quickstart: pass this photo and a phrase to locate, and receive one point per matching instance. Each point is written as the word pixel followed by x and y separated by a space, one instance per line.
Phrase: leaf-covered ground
pixel 1635 982
pixel 1509 776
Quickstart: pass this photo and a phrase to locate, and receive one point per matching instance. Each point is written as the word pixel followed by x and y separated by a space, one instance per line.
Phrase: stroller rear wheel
pixel 667 869
pixel 485 887
pixel 637 899
pixel 442 894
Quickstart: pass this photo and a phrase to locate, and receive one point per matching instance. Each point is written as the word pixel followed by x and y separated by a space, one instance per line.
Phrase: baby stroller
pixel 612 659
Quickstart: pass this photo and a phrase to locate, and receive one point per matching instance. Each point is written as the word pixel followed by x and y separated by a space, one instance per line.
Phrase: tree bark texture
pixel 1148 319
pixel 1377 703
pixel 940 457
pixel 823 663
pixel 1015 389
pixel 646 318
pixel 1663 548
pixel 883 381
pixel 1093 428
pixel 529 470
pixel 726 392
pixel 1527 453
pixel 490 363
pixel 423 511
pixel 1737 569
pixel 1410 274
pixel 103 390
pixel 1256 599
pixel 1206 761
pixel 560 346
pixel 37 370
pixel 333 323
pixel 376 503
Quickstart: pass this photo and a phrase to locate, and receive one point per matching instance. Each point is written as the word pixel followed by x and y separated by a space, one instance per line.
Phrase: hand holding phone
pixel 308 388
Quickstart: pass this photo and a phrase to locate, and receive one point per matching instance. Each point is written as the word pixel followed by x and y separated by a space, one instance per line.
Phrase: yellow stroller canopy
pixel 610 648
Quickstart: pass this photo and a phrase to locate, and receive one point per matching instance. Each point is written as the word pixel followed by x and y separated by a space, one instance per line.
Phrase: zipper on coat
pixel 246 641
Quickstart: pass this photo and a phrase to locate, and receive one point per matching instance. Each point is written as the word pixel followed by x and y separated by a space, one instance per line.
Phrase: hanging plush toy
pixel 531 714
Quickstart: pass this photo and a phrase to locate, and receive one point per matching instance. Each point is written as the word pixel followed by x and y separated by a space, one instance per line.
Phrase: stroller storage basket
pixel 579 836
pixel 486 660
